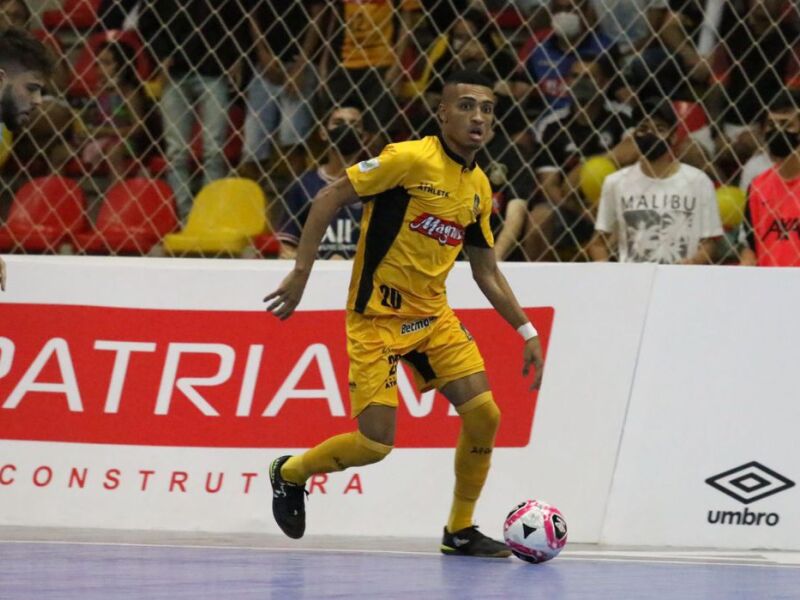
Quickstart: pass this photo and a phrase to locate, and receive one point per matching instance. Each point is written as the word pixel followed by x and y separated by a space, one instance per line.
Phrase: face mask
pixel 782 143
pixel 345 139
pixel 651 146
pixel 584 90
pixel 566 25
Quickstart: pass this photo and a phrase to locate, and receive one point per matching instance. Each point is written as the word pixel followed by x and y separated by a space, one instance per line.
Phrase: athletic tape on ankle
pixel 474 403
pixel 372 444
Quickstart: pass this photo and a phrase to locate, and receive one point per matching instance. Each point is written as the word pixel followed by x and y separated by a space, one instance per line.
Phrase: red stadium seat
pixel 135 215
pixel 45 213
pixel 73 14
pixel 85 66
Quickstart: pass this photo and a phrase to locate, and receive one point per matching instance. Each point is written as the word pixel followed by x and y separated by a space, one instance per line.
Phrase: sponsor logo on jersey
pixel 444 232
pixel 413 326
pixel 428 187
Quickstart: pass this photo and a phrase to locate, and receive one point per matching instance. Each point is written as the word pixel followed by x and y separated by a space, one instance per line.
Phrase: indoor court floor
pixel 58 564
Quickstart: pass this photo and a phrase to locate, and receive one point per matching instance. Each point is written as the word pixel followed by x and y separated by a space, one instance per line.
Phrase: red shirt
pixel 774 215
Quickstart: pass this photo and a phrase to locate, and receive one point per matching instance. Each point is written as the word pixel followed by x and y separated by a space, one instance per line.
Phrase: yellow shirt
pixel 421 204
pixel 369 32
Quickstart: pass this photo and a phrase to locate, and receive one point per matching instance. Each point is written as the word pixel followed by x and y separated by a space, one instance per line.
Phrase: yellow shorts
pixel 438 349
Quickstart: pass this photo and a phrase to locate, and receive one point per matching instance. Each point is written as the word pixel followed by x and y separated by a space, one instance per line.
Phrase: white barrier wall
pixel 709 453
pixel 153 394
pixel 140 393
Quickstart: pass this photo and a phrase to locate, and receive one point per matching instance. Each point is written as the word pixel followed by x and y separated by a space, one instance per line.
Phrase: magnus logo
pixel 445 232
pixel 747 483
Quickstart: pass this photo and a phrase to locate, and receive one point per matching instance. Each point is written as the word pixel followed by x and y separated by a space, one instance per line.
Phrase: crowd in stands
pixel 626 130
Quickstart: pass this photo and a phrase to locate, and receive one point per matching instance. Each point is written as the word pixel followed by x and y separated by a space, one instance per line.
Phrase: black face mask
pixel 345 139
pixel 584 90
pixel 782 143
pixel 651 146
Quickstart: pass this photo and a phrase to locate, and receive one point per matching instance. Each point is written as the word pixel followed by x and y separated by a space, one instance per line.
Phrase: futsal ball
pixel 593 173
pixel 731 201
pixel 535 531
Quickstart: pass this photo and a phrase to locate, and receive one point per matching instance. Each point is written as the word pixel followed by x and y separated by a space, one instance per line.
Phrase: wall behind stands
pixel 152 394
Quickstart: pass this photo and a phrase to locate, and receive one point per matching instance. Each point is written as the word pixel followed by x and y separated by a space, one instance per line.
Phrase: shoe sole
pixel 447 550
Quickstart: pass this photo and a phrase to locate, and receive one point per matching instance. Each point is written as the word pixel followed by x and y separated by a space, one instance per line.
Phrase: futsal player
pixel 423 201
pixel 25 65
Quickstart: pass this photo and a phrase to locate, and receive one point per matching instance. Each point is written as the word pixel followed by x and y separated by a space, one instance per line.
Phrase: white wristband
pixel 527 331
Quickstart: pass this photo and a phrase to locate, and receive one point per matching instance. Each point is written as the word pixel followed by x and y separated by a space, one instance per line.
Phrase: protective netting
pixel 155 99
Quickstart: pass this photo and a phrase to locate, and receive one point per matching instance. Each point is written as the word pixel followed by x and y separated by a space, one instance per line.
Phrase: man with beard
pixel 25 66
pixel 659 209
pixel 772 216
pixel 344 134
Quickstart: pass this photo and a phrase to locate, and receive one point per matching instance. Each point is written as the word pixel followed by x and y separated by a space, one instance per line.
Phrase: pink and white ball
pixel 535 531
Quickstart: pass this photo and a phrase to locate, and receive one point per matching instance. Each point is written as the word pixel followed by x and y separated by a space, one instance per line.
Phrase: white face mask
pixel 567 24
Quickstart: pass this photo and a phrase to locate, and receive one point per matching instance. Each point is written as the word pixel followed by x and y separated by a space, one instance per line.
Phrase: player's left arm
pixel 495 287
pixel 2 275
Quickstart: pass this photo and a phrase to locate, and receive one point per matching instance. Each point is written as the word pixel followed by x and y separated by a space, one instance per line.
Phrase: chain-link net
pixel 154 100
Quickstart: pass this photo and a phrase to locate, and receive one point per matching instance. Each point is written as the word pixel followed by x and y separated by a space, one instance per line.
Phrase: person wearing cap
pixel 659 209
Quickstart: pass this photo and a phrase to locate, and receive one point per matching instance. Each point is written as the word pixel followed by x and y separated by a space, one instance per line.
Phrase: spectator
pixel 759 52
pixel 661 57
pixel 573 37
pixel 112 122
pixel 657 210
pixel 25 65
pixel 41 148
pixel 197 44
pixel 362 64
pixel 344 134
pixel 277 111
pixel 513 190
pixel 591 126
pixel 772 216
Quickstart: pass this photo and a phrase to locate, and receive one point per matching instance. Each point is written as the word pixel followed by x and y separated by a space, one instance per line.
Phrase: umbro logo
pixel 458 542
pixel 750 482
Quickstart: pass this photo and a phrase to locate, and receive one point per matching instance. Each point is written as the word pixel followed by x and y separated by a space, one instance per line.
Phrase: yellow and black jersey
pixel 421 204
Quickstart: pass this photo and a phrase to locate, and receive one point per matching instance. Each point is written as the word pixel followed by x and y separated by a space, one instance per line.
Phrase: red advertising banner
pixel 221 378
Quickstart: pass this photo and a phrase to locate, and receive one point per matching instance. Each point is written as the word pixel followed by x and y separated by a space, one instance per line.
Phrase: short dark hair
pixel 18 48
pixel 785 100
pixel 658 108
pixel 469 77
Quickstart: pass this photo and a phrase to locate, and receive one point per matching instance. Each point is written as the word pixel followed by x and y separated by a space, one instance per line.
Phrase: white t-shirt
pixel 658 220
pixel 754 167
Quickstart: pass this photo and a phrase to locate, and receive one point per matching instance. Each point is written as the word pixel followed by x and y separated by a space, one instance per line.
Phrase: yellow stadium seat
pixel 225 215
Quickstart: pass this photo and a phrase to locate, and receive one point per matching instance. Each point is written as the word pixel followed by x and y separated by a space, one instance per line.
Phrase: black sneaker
pixel 288 501
pixel 471 542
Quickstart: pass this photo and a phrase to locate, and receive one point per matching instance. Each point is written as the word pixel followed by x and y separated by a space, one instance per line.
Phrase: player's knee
pixel 480 416
pixel 492 415
pixel 372 450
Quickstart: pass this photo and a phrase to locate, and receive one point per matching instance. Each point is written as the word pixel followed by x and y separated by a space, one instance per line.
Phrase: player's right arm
pixel 327 203
pixel 2 275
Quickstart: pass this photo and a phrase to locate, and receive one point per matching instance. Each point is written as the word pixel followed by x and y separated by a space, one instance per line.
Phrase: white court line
pixel 564 557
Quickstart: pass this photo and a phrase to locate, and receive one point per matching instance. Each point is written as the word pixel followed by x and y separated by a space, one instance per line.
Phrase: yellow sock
pixel 480 418
pixel 334 454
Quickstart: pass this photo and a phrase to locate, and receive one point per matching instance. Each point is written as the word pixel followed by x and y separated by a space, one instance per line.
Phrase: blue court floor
pixel 94 565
